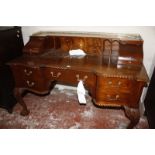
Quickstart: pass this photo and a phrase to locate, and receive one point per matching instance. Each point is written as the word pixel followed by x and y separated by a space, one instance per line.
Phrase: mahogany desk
pixel 112 71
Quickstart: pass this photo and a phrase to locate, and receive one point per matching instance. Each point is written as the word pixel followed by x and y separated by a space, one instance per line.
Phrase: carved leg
pixel 133 115
pixel 18 94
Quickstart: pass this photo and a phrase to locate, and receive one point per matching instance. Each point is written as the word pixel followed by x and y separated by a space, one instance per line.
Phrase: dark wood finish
pixel 11 45
pixel 149 102
pixel 18 94
pixel 133 114
pixel 112 70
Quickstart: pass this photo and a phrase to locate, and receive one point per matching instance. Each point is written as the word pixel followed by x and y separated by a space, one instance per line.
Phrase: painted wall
pixel 147 33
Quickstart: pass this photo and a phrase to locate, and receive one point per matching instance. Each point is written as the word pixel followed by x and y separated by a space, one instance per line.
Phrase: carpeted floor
pixel 60 109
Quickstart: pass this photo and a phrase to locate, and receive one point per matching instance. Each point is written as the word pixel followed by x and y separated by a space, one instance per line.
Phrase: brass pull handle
pixel 57 75
pixel 110 82
pixel 28 73
pixel 84 78
pixel 113 99
pixel 117 97
pixel 30 84
pixel 119 83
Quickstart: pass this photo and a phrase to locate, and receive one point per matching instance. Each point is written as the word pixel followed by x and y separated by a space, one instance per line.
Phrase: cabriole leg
pixel 133 115
pixel 18 94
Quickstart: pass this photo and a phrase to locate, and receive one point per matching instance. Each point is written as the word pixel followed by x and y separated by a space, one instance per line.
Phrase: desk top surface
pixel 88 63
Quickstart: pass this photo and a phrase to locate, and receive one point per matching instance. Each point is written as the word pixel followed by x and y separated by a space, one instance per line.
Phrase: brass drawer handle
pixel 113 99
pixel 28 73
pixel 57 75
pixel 117 96
pixel 119 83
pixel 84 78
pixel 30 84
pixel 109 82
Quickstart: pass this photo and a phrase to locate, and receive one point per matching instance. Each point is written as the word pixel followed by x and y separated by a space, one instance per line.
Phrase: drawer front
pixel 123 85
pixel 114 98
pixel 68 76
pixel 29 77
pixel 89 79
pixel 54 74
pixel 117 91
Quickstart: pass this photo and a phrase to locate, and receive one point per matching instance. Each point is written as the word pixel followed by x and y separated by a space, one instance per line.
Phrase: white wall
pixel 146 32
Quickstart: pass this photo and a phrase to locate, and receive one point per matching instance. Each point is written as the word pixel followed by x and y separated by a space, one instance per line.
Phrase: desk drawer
pixel 88 78
pixel 114 98
pixel 118 91
pixel 68 76
pixel 29 77
pixel 54 74
pixel 118 84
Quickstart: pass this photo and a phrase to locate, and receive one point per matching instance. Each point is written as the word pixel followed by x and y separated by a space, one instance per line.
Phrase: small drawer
pixel 30 72
pixel 123 85
pixel 54 74
pixel 115 97
pixel 27 72
pixel 34 84
pixel 29 77
pixel 88 78
pixel 114 82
